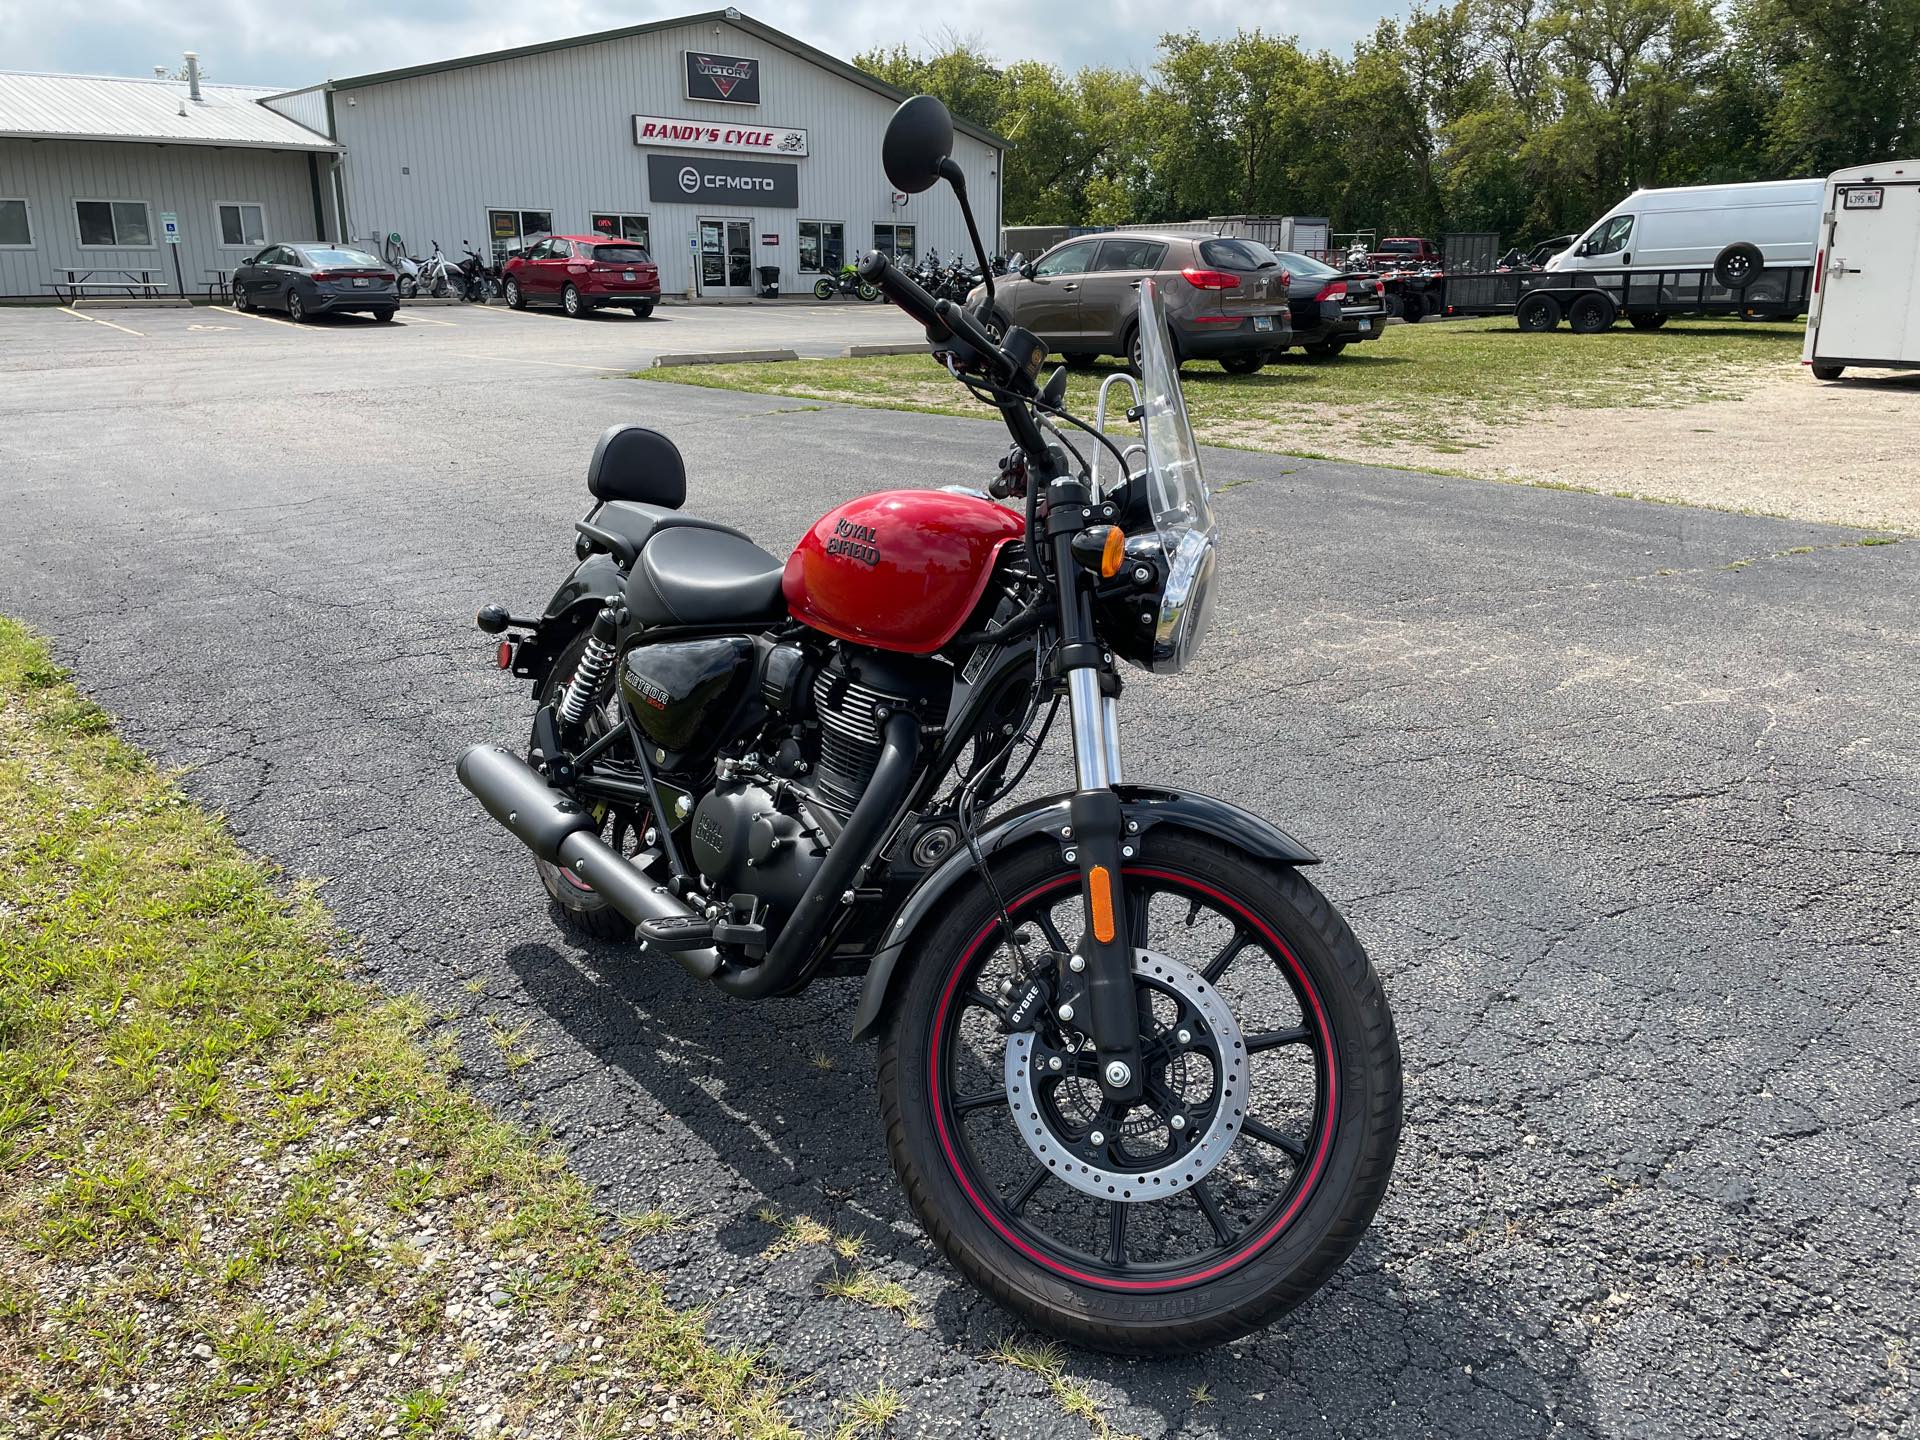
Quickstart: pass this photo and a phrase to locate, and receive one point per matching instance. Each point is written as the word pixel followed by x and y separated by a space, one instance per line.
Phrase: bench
pixel 127 282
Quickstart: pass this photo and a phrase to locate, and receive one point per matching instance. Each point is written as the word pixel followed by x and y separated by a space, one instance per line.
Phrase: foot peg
pixel 675 933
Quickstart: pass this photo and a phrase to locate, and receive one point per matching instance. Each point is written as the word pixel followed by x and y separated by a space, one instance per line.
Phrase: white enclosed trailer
pixel 1866 304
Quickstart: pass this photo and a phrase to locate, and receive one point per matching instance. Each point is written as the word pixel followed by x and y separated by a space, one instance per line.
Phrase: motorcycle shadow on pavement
pixel 729 1113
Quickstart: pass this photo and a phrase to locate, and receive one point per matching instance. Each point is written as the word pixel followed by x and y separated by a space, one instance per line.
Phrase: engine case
pixel 744 843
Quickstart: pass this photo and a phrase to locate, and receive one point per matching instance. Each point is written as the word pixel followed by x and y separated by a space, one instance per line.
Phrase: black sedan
pixel 1332 309
pixel 311 279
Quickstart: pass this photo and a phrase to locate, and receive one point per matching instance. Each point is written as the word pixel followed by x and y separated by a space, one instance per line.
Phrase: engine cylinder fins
pixel 853 717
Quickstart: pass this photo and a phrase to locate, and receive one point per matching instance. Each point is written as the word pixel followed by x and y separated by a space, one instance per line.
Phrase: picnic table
pixel 219 284
pixel 77 280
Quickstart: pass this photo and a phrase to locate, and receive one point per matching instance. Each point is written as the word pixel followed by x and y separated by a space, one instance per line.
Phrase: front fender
pixel 570 611
pixel 1143 806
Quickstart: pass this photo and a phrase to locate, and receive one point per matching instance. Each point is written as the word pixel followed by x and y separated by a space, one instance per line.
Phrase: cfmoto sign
pixel 683 179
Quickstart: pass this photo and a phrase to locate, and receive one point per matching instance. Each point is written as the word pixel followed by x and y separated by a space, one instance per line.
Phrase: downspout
pixel 339 183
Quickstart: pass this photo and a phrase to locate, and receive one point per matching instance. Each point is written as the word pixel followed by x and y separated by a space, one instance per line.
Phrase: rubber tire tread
pixel 601 921
pixel 1375 1134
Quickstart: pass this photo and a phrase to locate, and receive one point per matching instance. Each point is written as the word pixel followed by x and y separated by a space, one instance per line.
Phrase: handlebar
pixel 943 319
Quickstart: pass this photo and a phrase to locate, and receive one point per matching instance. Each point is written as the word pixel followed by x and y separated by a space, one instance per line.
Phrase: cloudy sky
pixel 247 42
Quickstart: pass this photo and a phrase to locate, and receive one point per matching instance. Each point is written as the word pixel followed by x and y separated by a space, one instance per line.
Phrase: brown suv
pixel 1080 297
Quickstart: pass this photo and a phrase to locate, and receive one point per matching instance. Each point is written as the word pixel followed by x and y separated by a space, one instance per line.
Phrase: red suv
pixel 581 273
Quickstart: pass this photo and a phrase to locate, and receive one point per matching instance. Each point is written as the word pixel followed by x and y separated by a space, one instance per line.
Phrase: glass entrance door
pixel 726 257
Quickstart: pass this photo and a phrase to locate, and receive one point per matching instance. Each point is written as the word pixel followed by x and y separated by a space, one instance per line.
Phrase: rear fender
pixel 568 613
pixel 1143 807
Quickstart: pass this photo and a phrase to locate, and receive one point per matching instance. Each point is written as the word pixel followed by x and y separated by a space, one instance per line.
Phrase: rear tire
pixel 296 308
pixel 575 907
pixel 1591 313
pixel 1538 314
pixel 643 310
pixel 1243 364
pixel 1646 322
pixel 1194 1293
pixel 1325 349
pixel 1736 266
pixel 1413 309
pixel 1828 372
pixel 383 315
pixel 574 303
pixel 823 289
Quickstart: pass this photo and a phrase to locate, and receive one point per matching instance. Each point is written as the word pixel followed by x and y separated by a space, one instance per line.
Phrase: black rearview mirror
pixel 918 141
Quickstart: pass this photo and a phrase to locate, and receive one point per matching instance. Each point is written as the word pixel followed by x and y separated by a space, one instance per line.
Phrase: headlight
pixel 1159 626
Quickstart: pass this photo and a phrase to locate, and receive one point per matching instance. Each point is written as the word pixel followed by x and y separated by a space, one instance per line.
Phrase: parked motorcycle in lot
pixel 478 281
pixel 847 282
pixel 1137 1076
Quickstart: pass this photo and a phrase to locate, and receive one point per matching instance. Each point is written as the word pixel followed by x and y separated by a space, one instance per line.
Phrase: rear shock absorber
pixel 596 664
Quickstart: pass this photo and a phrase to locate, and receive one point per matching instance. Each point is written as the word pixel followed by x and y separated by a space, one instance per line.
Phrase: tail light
pixel 1210 279
pixel 1286 279
pixel 322 275
pixel 1333 290
pixel 1819 264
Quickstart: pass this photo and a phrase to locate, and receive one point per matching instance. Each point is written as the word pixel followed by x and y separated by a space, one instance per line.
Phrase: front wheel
pixel 1251 1169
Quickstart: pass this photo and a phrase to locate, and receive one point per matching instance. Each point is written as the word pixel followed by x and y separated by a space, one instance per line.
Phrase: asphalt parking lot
pixel 1625 799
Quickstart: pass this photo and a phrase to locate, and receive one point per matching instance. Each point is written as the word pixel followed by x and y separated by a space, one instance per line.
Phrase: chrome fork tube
pixel 1110 733
pixel 1095 743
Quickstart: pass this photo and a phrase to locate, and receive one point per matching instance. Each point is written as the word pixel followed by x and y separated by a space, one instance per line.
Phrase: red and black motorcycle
pixel 1138 1078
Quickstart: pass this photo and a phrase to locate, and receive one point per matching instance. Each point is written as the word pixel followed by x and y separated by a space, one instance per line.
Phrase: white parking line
pixel 561 364
pixel 425 320
pixel 96 320
pixel 252 315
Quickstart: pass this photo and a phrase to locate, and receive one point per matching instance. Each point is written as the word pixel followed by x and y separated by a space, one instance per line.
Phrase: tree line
pixel 1526 117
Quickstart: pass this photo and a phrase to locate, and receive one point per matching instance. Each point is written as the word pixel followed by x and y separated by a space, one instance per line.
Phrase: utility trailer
pixel 1592 300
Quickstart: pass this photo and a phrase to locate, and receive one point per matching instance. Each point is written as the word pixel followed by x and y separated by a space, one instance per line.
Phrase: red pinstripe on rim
pixel 1303 1191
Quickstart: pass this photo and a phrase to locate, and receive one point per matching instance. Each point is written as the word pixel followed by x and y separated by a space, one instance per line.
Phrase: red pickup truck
pixel 1405 250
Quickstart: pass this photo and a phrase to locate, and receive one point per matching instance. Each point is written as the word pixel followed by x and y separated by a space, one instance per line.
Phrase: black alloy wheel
pixel 1245 1175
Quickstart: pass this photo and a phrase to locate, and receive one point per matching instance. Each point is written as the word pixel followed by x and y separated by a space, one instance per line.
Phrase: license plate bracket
pixel 1263 322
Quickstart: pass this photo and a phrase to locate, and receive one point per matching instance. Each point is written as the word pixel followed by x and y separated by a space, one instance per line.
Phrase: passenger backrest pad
pixel 632 462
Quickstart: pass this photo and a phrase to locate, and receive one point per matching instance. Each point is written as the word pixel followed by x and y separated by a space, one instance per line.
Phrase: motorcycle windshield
pixel 1182 506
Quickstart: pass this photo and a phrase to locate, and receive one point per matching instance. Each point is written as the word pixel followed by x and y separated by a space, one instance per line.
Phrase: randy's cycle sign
pixel 732 79
pixel 684 179
pixel 753 139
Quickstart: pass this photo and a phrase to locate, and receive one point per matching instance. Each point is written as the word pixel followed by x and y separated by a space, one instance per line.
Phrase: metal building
pixel 92 170
pixel 720 143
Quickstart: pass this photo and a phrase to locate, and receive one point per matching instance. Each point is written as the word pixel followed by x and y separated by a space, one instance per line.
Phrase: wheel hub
pixel 1196 1080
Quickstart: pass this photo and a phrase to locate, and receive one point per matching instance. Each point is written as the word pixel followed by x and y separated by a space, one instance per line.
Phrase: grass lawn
pixel 241 1193
pixel 1441 386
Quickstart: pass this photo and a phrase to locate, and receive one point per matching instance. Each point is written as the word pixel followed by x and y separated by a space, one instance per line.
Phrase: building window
pixel 243 225
pixel 16 226
pixel 823 247
pixel 894 240
pixel 625 227
pixel 113 224
pixel 513 231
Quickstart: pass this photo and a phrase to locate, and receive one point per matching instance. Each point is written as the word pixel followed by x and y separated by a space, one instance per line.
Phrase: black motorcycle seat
pixel 705 575
pixel 637 523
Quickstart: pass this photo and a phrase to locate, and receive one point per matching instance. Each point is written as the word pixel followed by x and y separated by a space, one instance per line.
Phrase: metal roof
pixel 738 21
pixel 105 107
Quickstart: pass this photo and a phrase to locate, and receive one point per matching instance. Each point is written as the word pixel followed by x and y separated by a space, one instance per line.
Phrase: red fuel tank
pixel 899 570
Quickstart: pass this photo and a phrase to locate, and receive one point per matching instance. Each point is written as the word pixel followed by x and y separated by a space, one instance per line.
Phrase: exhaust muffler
pixel 559 830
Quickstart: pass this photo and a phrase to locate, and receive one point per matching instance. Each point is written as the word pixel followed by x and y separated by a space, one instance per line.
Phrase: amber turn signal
pixel 1102 548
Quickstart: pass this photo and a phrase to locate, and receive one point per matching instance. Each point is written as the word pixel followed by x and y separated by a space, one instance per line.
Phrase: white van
pixel 1866 281
pixel 1696 226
